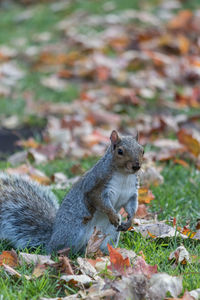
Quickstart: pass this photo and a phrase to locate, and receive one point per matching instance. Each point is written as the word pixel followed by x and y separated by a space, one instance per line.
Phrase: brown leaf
pixel 191 140
pixel 39 270
pixel 141 211
pixel 64 265
pixel 94 243
pixel 9 258
pixel 141 267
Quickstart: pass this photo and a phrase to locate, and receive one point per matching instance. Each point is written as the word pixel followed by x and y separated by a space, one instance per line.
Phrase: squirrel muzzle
pixel 134 167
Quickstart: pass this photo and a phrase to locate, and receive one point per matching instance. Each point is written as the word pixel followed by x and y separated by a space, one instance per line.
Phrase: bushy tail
pixel 27 211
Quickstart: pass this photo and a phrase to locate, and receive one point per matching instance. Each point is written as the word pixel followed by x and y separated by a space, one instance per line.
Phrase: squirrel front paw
pixel 115 219
pixel 124 226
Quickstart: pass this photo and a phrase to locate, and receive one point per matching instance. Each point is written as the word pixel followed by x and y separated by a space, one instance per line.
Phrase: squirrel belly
pixel 120 189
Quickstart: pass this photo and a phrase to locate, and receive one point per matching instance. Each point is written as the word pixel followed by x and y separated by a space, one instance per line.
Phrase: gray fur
pixel 29 213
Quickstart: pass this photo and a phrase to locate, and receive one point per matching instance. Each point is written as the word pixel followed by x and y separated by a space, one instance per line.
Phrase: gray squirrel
pixel 30 215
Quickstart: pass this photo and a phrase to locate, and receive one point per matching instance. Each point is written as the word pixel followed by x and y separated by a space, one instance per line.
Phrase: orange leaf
pixel 190 140
pixel 145 195
pixel 183 44
pixel 118 263
pixel 181 162
pixel 181 20
pixel 188 232
pixel 29 143
pixel 93 262
pixel 151 235
pixel 9 258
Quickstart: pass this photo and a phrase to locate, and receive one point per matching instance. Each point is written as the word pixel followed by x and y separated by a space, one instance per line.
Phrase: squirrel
pixel 30 215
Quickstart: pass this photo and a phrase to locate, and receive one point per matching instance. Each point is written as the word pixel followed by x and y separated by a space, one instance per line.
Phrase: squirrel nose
pixel 136 167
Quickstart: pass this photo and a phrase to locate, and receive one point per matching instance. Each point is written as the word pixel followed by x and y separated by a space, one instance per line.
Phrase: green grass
pixel 179 195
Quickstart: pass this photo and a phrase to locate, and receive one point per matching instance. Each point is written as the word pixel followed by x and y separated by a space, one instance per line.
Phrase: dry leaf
pixel 87 268
pixel 141 267
pixel 161 283
pixel 141 211
pixel 181 20
pixel 145 195
pixel 180 255
pixel 12 272
pixel 94 243
pixel 191 140
pixel 9 258
pixel 35 259
pixel 39 270
pixel 78 279
pixel 64 265
pixel 157 230
pixel 118 263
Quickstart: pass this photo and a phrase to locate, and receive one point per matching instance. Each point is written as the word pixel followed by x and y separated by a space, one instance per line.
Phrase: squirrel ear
pixel 137 136
pixel 114 137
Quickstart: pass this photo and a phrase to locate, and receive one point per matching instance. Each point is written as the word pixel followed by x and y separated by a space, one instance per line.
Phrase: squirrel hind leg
pixel 112 239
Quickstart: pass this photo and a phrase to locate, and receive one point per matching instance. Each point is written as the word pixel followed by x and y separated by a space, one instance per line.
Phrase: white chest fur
pixel 121 188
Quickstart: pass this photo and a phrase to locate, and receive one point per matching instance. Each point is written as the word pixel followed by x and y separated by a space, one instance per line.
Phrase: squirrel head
pixel 127 153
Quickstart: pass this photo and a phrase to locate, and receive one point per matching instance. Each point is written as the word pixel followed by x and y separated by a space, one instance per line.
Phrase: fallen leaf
pixel 29 143
pixel 161 283
pixel 141 267
pixel 145 195
pixel 191 140
pixel 118 263
pixel 35 258
pixel 180 255
pixel 12 272
pixel 87 268
pixel 78 279
pixel 63 266
pixel 141 211
pixel 181 162
pixel 94 243
pixel 181 20
pixel 39 270
pixel 9 258
pixel 157 230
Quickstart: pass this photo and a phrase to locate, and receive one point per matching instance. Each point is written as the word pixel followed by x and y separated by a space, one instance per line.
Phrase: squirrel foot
pixel 124 226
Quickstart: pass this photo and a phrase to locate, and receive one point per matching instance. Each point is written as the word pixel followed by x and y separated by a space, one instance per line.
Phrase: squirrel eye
pixel 120 151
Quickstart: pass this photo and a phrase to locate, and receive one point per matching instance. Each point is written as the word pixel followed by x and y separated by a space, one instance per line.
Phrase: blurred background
pixel 72 71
